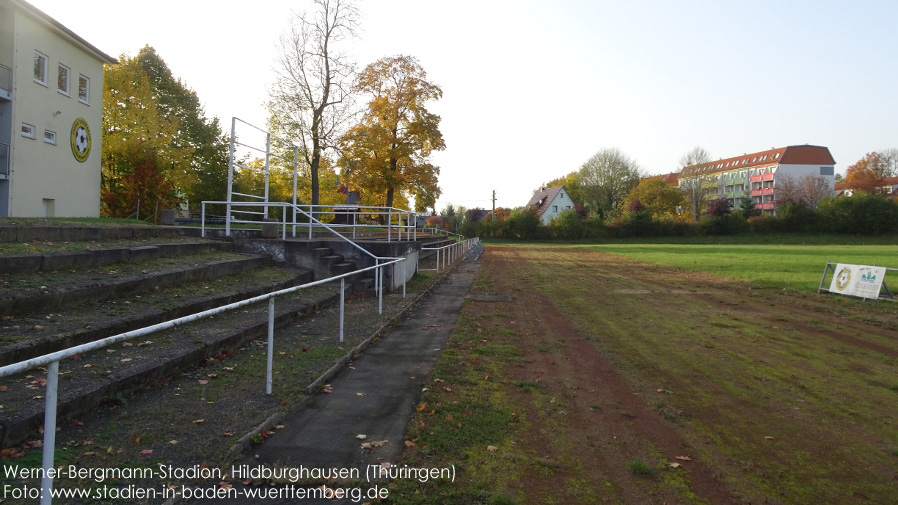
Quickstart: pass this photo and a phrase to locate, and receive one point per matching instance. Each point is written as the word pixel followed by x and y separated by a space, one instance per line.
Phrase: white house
pixel 51 110
pixel 549 202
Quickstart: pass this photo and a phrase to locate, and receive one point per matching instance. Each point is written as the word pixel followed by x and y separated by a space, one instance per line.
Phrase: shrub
pixel 796 217
pixel 719 207
pixel 567 225
pixel 859 213
pixel 524 223
pixel 729 224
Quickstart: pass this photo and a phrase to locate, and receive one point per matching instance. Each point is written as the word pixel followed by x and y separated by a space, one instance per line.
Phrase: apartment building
pixel 51 108
pixel 755 175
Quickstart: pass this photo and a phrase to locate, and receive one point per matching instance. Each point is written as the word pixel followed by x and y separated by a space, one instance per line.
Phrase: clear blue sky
pixel 533 88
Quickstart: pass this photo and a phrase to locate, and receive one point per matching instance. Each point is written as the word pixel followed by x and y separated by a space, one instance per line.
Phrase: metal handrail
pixel 450 252
pixel 53 359
pixel 309 220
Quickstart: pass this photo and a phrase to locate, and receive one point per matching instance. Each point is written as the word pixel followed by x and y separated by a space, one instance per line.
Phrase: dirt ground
pixel 729 393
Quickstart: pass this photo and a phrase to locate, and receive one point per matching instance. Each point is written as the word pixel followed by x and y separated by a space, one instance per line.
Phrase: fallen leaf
pixel 422 406
pixel 137 440
pixel 203 382
pixel 361 436
pixel 227 434
pixel 492 448
pixel 768 437
pixel 212 375
pixel 146 451
pixel 674 465
pixel 87 365
pixel 360 394
pixel 3 388
pixel 225 485
pixel 75 422
pixel 279 426
pixel 173 442
pixel 683 458
pixel 199 421
pixel 126 360
pixel 409 443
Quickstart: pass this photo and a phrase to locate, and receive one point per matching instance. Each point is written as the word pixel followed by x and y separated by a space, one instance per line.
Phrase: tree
pixel 140 158
pixel 311 96
pixel 747 207
pixel 867 174
pixel 806 190
pixel 571 183
pixel 206 176
pixel 719 207
pixel 660 197
pixel 606 178
pixel 692 184
pixel 389 150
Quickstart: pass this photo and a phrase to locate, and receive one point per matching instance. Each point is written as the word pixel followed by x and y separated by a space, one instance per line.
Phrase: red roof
pixel 791 155
pixel 542 198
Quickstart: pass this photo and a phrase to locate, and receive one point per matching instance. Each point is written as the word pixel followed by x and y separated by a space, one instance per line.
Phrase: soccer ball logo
pixel 843 278
pixel 80 140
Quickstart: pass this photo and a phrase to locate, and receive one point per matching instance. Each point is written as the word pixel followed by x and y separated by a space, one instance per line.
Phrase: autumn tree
pixel 388 151
pixel 692 186
pixel 606 178
pixel 571 183
pixel 140 158
pixel 868 173
pixel 310 100
pixel 206 175
pixel 663 199
pixel 806 190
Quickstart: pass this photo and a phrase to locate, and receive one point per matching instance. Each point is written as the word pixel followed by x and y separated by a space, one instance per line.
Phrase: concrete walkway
pixel 374 396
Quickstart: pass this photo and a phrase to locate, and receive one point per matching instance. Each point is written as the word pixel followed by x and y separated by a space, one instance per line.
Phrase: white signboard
pixel 857 280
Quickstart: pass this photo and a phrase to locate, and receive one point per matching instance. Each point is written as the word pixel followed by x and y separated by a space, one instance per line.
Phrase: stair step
pixel 96 321
pixel 20 296
pixel 320 252
pixel 147 360
pixel 343 268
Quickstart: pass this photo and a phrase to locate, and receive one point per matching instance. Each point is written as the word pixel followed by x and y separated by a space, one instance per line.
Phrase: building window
pixel 554 208
pixel 827 170
pixel 62 79
pixel 50 137
pixel 83 89
pixel 27 130
pixel 40 68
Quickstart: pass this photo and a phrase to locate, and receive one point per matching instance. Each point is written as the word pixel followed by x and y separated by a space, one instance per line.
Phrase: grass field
pixel 652 373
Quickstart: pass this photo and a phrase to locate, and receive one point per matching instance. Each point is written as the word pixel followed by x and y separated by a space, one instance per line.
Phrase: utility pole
pixel 493 218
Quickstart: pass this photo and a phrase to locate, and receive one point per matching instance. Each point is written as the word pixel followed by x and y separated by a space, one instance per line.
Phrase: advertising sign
pixel 857 280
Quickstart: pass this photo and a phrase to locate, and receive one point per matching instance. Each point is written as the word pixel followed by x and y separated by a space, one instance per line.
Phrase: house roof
pixel 43 18
pixel 542 198
pixel 671 178
pixel 790 155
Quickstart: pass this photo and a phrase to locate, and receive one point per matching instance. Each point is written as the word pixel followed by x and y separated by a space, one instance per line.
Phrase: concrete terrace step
pixel 90 379
pixel 64 260
pixel 20 293
pixel 12 232
pixel 26 337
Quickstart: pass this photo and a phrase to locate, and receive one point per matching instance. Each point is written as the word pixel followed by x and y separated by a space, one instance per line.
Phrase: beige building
pixel 51 108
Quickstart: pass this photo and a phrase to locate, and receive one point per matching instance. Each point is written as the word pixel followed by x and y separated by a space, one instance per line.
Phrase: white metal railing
pixel 398 222
pixel 450 253
pixel 52 359
pixel 439 231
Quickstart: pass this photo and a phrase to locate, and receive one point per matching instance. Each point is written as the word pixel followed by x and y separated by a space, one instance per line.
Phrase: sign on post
pixel 862 281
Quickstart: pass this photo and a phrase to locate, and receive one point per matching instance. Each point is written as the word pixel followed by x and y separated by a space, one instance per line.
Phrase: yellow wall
pixel 40 170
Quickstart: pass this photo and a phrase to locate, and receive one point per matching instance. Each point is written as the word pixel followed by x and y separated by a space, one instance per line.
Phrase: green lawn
pixel 797 266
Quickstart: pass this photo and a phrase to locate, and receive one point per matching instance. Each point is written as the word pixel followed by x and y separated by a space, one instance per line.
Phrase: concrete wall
pixel 47 178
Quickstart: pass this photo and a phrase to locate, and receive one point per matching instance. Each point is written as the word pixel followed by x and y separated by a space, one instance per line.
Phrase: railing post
pixel 380 292
pixel 270 345
pixel 49 432
pixel 404 276
pixel 310 223
pixel 389 224
pixel 203 220
pixel 342 301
